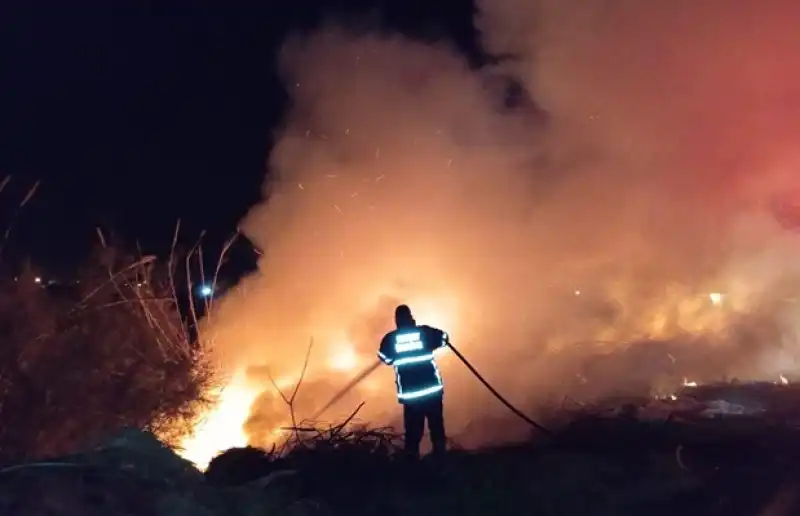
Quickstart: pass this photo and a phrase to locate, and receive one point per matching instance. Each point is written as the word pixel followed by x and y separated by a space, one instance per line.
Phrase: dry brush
pixel 112 348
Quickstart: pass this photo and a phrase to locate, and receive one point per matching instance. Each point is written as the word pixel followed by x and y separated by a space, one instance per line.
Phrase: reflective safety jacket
pixel 410 352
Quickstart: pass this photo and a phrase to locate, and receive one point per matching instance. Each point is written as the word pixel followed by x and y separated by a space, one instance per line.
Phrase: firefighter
pixel 410 350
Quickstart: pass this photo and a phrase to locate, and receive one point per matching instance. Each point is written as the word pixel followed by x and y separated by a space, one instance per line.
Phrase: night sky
pixel 135 115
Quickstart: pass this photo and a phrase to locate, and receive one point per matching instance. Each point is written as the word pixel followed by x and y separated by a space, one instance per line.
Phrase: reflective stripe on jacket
pixel 411 352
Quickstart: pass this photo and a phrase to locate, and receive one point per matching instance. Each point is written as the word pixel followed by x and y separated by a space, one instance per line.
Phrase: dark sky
pixel 135 115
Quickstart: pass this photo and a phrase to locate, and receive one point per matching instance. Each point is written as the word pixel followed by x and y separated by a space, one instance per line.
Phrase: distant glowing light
pixel 344 358
pixel 716 298
pixel 37 279
pixel 206 291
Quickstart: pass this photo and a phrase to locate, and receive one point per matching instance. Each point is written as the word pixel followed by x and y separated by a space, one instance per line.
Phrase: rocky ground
pixel 685 456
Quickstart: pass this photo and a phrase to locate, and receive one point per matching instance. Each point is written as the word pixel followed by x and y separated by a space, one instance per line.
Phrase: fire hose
pixel 517 412
pixel 369 370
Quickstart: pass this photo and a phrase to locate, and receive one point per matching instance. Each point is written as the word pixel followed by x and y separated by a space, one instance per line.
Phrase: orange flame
pixel 222 427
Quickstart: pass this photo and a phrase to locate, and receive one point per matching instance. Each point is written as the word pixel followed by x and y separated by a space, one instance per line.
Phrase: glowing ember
pixel 222 428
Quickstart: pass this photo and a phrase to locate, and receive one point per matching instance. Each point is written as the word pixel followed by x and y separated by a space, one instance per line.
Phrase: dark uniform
pixel 409 349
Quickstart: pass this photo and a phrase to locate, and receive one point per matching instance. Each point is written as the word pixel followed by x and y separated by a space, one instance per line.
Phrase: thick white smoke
pixel 401 175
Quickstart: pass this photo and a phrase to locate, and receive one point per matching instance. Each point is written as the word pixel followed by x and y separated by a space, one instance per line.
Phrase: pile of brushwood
pixel 592 464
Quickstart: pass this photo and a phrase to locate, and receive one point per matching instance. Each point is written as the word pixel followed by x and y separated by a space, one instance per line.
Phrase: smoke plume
pixel 568 233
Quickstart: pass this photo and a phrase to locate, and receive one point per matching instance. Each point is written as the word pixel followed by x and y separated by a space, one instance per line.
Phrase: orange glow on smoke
pixel 343 358
pixel 600 235
pixel 339 360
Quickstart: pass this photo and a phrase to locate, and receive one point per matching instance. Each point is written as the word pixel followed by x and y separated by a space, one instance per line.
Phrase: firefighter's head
pixel 403 317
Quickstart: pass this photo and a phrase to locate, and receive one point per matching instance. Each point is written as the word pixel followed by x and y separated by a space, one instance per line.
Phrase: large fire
pixel 597 224
pixel 334 361
pixel 224 426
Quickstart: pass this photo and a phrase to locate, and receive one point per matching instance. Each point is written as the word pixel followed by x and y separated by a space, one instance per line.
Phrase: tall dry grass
pixel 112 349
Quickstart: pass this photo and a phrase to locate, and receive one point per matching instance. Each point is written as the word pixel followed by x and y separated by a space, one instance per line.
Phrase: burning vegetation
pixel 608 229
pixel 603 238
pixel 576 242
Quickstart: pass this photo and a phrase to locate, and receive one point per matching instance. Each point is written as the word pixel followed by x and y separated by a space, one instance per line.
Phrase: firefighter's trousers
pixel 415 413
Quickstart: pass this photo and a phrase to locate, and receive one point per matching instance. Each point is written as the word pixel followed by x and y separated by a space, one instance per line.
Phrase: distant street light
pixel 206 291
